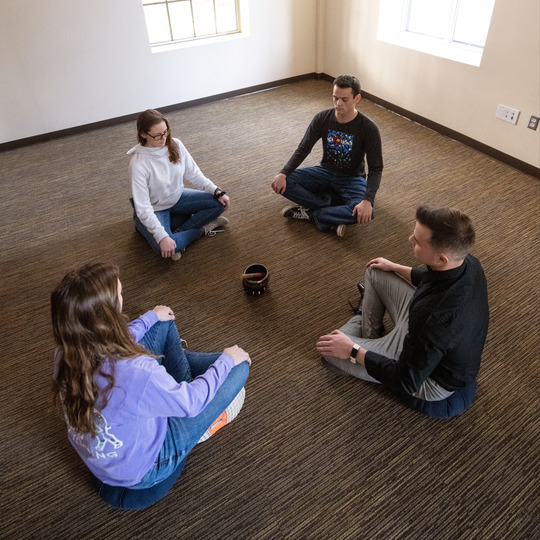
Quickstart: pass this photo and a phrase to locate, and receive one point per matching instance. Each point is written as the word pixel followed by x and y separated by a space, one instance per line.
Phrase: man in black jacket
pixel 432 355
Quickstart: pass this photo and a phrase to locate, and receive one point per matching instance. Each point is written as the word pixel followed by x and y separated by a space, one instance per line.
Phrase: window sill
pixel 197 42
pixel 465 54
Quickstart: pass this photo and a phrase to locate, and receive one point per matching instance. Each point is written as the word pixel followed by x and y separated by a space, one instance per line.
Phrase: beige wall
pixel 461 97
pixel 67 63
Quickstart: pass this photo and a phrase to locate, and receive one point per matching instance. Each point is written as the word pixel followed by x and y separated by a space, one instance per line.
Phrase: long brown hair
pixel 89 328
pixel 150 118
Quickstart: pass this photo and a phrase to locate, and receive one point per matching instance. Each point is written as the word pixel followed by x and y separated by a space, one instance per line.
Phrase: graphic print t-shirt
pixel 339 148
pixel 346 147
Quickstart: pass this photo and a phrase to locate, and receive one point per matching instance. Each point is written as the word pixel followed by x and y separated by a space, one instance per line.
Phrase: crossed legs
pixel 183 365
pixel 331 197
pixel 384 291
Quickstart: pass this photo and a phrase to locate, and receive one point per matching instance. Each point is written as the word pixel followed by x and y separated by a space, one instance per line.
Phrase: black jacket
pixel 448 322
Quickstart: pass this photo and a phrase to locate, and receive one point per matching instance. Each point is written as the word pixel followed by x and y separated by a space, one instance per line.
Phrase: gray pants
pixel 384 291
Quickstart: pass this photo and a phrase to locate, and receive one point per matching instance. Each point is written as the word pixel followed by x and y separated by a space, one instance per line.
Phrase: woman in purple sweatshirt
pixel 135 402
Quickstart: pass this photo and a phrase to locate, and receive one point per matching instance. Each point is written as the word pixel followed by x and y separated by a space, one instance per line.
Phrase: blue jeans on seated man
pixel 184 365
pixel 330 195
pixel 386 291
pixel 183 222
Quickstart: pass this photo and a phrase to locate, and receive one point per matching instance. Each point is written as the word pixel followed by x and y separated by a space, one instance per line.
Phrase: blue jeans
pixel 184 433
pixel 332 196
pixel 183 221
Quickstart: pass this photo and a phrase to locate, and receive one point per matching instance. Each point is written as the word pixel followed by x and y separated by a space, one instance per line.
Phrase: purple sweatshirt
pixel 132 426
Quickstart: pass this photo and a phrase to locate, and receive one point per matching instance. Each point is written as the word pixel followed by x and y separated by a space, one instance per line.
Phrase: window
pixel 174 21
pixel 455 29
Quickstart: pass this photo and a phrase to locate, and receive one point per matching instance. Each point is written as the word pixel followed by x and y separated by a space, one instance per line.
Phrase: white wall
pixel 461 97
pixel 67 63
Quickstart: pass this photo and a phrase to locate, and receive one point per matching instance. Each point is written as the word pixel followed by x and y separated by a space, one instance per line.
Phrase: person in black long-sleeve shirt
pixel 337 192
pixel 432 356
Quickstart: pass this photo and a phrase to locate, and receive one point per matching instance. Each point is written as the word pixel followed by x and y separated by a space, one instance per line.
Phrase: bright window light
pixel 454 29
pixel 175 21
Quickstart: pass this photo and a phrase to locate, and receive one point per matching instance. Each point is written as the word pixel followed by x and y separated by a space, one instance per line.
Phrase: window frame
pixel 393 21
pixel 174 43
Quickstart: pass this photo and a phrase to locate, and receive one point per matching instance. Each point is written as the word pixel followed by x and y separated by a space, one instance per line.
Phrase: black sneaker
pixel 296 212
pixel 358 309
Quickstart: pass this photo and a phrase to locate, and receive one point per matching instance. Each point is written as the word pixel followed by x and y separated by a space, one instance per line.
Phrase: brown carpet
pixel 312 454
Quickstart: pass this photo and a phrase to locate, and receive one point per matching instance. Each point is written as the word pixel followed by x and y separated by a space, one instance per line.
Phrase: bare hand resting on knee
pixel 382 264
pixel 237 354
pixel 279 185
pixel 388 266
pixel 167 246
pixel 335 344
pixel 164 313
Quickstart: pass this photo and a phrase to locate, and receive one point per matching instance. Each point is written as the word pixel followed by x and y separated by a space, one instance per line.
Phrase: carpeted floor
pixel 312 454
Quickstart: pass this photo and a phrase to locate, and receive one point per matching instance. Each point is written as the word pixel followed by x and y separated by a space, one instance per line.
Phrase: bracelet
pixel 219 194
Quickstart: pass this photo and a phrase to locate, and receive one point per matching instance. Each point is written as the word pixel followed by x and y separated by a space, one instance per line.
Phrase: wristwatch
pixel 354 352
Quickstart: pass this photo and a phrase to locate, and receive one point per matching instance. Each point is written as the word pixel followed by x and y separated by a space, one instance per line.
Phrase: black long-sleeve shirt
pixel 448 322
pixel 345 148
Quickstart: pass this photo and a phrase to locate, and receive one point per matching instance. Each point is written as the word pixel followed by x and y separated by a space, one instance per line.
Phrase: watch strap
pixel 354 352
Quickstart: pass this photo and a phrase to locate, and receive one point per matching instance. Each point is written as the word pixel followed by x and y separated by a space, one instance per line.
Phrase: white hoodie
pixel 157 184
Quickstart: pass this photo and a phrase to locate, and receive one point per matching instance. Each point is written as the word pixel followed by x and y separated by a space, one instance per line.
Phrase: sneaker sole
pixel 227 416
pixel 287 208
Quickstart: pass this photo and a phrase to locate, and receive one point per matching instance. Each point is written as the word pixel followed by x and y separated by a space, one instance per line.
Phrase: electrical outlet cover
pixel 533 122
pixel 508 114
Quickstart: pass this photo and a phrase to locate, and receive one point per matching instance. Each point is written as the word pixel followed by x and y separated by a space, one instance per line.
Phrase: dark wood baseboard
pixel 443 130
pixel 132 117
pixel 468 141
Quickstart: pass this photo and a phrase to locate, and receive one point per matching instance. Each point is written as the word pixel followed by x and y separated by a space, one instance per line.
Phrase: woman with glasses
pixel 169 215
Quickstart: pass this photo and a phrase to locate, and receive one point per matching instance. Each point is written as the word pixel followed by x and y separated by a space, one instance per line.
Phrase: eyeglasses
pixel 160 136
